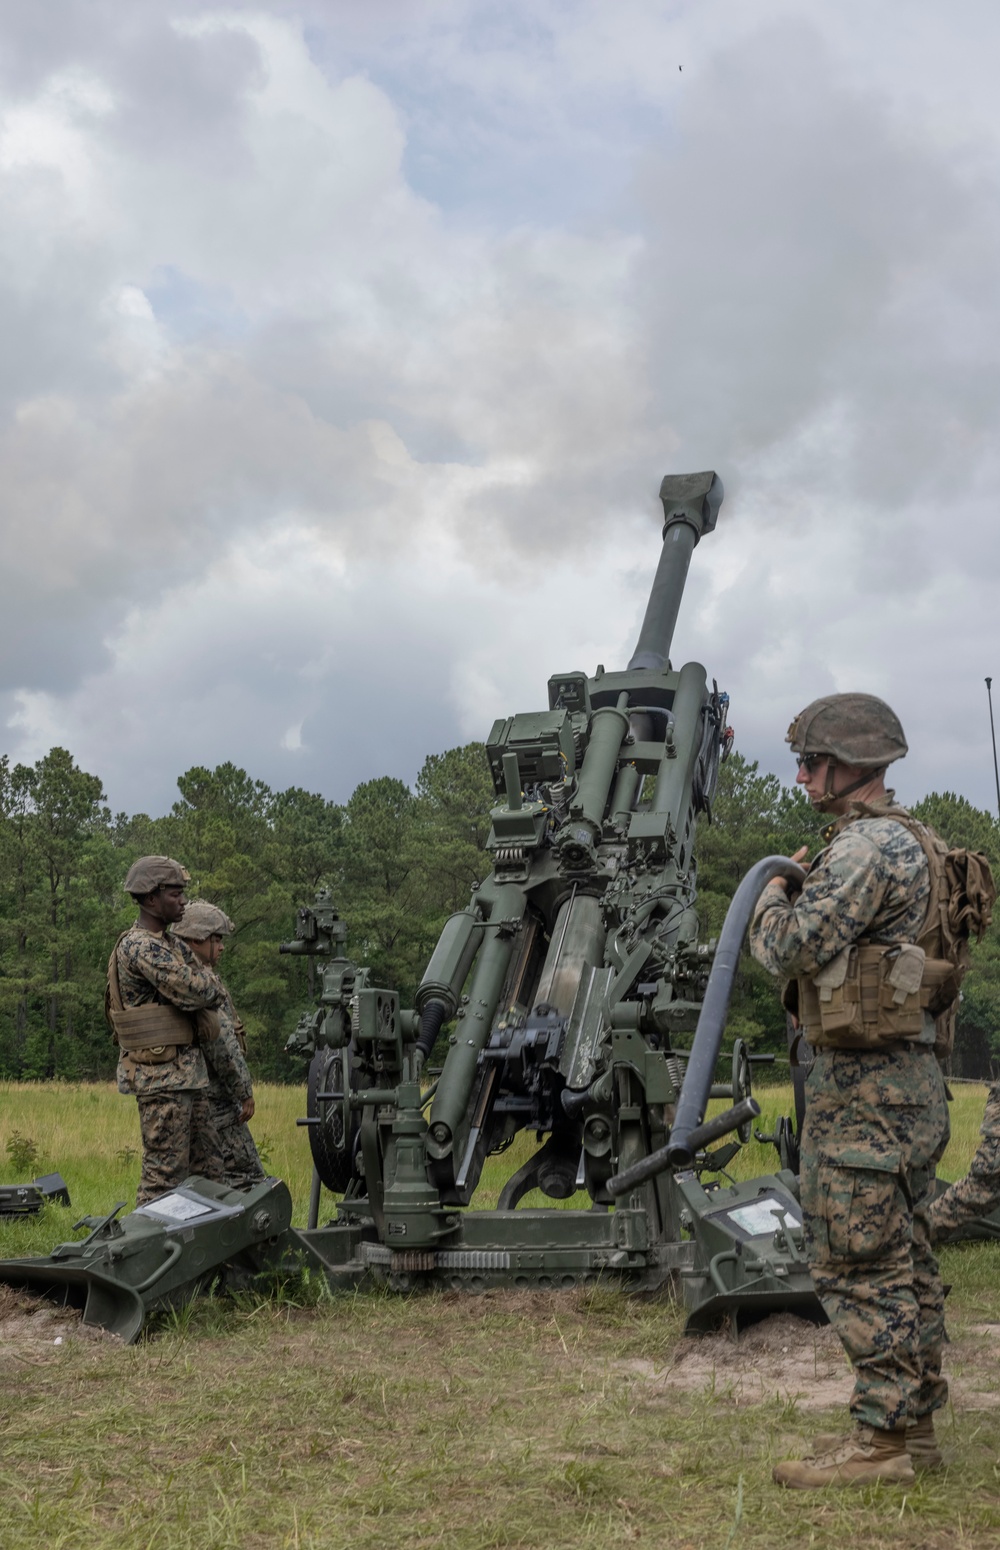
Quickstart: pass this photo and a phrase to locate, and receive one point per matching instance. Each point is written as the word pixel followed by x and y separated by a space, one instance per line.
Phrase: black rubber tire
pixel 333 1152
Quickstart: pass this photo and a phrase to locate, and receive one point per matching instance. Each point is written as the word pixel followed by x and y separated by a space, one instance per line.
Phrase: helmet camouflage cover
pixel 858 729
pixel 152 872
pixel 201 920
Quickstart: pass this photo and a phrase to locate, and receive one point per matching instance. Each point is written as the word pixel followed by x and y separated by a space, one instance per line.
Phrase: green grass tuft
pixel 319 1420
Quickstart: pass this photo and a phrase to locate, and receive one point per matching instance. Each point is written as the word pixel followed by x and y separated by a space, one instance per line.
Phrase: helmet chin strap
pixel 822 803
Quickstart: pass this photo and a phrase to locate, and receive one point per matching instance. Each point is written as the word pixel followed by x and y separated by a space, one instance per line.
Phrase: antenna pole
pixel 993 735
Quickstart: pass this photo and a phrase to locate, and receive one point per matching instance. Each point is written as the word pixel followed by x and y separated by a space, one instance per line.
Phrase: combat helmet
pixel 855 729
pixel 152 872
pixel 201 920
pixel 858 729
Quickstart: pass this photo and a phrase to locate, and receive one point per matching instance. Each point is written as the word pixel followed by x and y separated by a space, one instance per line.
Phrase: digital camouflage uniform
pixel 175 1117
pixel 243 1165
pixel 876 1124
pixel 229 1087
pixel 979 1192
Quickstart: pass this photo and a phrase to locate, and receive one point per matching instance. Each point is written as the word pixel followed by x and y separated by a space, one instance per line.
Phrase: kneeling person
pixel 160 1005
pixel 978 1194
pixel 202 930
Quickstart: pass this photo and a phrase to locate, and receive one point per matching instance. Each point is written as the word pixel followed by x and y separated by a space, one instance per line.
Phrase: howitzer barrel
pixel 690 507
pixel 700 1073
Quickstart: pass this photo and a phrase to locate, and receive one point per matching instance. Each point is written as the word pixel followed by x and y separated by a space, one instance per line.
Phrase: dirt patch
pixel 789 1359
pixel 782 1357
pixel 28 1323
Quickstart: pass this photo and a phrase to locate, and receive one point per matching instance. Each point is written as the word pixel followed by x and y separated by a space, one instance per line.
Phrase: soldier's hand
pixel 247 1111
pixel 799 857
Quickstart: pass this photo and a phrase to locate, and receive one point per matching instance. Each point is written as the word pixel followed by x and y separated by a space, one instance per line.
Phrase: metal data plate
pixel 186 1208
pixel 756 1218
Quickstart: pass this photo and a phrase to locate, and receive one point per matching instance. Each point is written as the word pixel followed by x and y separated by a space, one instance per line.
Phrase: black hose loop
pixel 700 1073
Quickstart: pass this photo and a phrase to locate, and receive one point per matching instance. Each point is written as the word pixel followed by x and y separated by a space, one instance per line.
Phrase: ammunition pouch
pixel 152 1034
pixel 158 1055
pixel 871 995
pixel 208 1026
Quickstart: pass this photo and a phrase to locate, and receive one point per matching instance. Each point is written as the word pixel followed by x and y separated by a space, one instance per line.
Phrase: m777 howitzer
pixel 571 983
pixel 568 981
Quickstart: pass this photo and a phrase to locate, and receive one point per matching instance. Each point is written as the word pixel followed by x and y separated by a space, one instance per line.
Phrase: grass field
pixel 502 1420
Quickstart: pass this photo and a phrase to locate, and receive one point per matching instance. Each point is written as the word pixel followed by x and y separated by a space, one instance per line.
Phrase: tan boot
pixel 921 1443
pixel 864 1457
pixel 826 1442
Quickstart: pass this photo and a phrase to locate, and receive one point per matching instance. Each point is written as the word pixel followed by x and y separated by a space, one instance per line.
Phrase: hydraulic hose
pixel 700 1074
pixel 431 1018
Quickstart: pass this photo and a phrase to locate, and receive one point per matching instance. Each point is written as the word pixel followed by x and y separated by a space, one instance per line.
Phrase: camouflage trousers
pixel 178 1138
pixel 979 1192
pixel 240 1162
pixel 876 1123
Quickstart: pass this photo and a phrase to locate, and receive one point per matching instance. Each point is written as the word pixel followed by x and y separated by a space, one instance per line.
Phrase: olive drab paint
pixel 561 1001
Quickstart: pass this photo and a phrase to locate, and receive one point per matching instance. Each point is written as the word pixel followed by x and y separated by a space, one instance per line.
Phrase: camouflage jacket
pixel 234 1085
pixel 151 967
pixel 872 882
pixel 228 1073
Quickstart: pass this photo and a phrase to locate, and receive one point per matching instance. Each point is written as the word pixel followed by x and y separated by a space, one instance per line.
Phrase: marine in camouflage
pixel 872 880
pixel 876 1123
pixel 178 1138
pixel 179 1135
pixel 152 968
pixel 226 1070
pixel 979 1192
pixel 241 1163
pixel 229 1087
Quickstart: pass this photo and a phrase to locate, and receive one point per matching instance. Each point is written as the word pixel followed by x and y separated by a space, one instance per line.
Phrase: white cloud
pixel 268 402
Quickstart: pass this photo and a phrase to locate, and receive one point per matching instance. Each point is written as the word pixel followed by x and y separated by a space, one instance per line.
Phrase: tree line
pixel 400 860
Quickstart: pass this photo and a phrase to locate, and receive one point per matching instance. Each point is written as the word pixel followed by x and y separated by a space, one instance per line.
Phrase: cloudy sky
pixel 344 348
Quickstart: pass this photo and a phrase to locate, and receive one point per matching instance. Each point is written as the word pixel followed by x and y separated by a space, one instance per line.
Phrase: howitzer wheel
pixel 741 1084
pixel 788 1145
pixel 334 1140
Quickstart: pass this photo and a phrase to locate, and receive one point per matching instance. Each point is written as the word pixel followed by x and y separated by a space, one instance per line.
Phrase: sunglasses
pixel 809 761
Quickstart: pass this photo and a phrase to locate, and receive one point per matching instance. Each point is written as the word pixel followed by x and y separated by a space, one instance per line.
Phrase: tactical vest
pixel 154 1033
pixel 876 994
